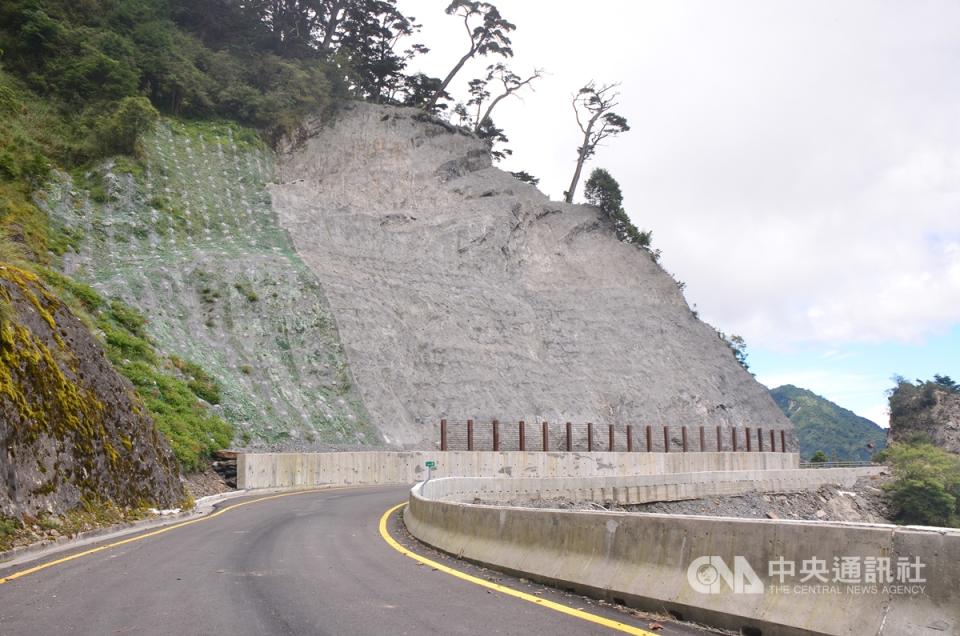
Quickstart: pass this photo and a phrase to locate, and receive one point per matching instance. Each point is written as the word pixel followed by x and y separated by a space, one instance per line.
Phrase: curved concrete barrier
pixel 287 470
pixel 656 562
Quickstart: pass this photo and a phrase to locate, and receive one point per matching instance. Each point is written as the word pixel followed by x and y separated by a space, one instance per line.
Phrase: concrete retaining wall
pixel 643 560
pixel 285 470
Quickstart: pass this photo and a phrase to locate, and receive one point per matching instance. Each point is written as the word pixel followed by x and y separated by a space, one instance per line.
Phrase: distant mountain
pixel 822 425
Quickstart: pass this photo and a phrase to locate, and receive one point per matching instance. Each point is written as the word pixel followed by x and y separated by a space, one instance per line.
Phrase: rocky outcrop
pixel 73 430
pixel 925 412
pixel 460 292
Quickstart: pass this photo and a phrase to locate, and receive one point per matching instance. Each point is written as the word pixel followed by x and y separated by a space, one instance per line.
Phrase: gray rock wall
pixel 72 428
pixel 460 292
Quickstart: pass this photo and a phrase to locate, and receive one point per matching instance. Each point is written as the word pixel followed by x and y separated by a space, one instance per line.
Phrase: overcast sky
pixel 798 163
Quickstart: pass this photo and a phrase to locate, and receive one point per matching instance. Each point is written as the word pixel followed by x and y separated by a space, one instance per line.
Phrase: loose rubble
pixel 864 502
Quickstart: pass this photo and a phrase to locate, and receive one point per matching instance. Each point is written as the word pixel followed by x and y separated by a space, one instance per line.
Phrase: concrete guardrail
pixel 714 570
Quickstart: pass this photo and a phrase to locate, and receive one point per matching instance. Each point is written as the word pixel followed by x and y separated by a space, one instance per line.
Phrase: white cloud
pixel 798 162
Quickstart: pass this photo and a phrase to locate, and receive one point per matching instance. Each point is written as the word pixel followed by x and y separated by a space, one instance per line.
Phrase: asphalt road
pixel 311 563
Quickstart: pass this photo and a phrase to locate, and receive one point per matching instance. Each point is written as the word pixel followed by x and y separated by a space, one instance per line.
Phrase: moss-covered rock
pixel 73 429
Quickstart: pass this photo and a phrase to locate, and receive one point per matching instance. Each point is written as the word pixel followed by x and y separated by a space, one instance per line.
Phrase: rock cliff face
pixel 72 428
pixel 926 411
pixel 460 292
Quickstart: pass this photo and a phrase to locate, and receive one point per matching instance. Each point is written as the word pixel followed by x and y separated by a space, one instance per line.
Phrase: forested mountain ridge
pixel 821 425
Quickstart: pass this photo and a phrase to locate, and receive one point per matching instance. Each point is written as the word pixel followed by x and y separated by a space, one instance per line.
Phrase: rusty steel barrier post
pixel 703 441
pixel 469 435
pixel 783 441
pixel 443 435
pixel 611 437
pixel 773 442
pixel 749 432
pixel 569 437
pixel 719 440
pixel 666 439
pixel 733 436
pixel 546 437
pixel 683 434
pixel 496 435
pixel 759 440
pixel 522 436
pixel 649 439
pixel 589 437
pixel 629 438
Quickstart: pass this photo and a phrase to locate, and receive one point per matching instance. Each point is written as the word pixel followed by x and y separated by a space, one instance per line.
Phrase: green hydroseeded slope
pixel 191 240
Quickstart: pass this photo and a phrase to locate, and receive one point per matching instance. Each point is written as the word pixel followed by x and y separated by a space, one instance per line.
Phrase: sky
pixel 797 162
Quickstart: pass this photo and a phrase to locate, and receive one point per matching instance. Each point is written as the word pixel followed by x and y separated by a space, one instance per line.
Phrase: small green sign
pixel 431 464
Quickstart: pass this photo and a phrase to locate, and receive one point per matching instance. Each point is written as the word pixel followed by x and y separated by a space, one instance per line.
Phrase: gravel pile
pixel 863 502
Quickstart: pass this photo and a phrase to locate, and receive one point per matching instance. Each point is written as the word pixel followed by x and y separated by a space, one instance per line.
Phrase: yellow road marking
pixel 509 591
pixel 50 564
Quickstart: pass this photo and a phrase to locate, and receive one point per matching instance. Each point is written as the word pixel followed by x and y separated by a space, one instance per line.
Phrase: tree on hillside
pixel 366 43
pixel 509 81
pixel 494 135
pixel 603 191
pixel 738 346
pixel 489 35
pixel 593 108
pixel 946 382
pixel 419 87
pixel 526 177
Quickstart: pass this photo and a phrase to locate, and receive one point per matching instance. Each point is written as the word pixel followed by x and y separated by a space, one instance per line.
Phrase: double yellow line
pixel 503 589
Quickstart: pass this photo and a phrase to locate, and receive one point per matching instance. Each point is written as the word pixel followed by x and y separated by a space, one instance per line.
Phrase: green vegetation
pixel 823 426
pixel 171 388
pixel 910 399
pixel 737 345
pixel 603 191
pixel 926 485
pixel 819 458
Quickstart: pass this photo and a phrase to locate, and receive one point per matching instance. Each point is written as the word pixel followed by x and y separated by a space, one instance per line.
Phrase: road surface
pixel 307 563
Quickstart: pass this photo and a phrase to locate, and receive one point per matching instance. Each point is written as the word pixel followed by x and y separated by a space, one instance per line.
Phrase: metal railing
pixel 540 435
pixel 837 464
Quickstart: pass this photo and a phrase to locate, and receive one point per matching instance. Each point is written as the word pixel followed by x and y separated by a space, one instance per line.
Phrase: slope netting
pixel 194 244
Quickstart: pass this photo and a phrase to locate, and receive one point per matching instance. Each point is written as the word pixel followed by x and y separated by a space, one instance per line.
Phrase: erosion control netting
pixel 194 244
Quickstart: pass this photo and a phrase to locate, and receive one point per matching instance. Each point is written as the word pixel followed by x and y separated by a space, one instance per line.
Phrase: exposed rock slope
pixel 461 292
pixel 72 428
pixel 925 411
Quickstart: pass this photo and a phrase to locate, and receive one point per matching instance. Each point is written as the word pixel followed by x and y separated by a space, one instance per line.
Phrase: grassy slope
pixel 822 425
pixel 35 137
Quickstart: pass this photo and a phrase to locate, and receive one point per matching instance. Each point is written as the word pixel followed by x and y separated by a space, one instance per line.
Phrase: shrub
pixel 926 485
pixel 120 133
pixel 818 458
pixel 603 191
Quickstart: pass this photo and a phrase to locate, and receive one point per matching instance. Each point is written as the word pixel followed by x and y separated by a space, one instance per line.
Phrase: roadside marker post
pixel 430 464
